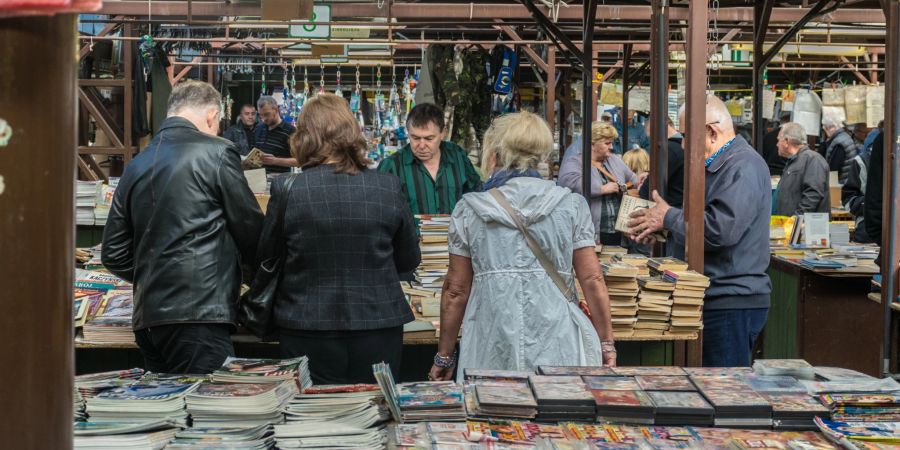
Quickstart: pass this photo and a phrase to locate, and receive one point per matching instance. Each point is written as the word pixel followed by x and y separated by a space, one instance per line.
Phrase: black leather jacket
pixel 182 220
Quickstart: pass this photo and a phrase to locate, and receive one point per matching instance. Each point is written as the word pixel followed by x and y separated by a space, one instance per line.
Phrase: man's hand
pixel 645 222
pixel 270 160
pixel 609 188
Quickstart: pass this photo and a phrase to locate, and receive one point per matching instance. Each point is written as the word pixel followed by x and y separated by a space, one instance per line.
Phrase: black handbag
pixel 255 310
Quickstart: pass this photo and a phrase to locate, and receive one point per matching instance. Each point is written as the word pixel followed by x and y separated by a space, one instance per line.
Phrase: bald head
pixel 719 126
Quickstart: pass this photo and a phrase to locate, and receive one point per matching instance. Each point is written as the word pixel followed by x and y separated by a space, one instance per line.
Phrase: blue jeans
pixel 729 335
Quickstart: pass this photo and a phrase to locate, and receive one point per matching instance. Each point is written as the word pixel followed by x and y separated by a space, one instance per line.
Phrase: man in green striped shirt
pixel 434 174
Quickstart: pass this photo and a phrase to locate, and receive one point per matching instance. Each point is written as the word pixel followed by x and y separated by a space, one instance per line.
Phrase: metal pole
pixel 659 74
pixel 891 204
pixel 762 11
pixel 626 82
pixel 590 17
pixel 694 168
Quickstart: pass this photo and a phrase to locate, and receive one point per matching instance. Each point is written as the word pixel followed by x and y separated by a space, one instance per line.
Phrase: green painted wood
pixel 780 332
pixel 645 353
pixel 88 235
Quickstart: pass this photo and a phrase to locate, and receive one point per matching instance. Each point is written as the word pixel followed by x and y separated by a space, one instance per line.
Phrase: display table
pixel 823 316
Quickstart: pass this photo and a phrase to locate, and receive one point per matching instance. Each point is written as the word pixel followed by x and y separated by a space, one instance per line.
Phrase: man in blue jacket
pixel 736 235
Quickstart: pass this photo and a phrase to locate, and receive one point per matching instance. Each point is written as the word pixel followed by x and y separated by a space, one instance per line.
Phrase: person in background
pixel 514 316
pixel 637 134
pixel 866 148
pixel 736 239
pixel 803 186
pixel 770 148
pixel 638 160
pixel 675 161
pixel 840 149
pixel 242 132
pixel 348 233
pixel 272 136
pixel 853 196
pixel 434 173
pixel 874 198
pixel 182 220
pixel 610 178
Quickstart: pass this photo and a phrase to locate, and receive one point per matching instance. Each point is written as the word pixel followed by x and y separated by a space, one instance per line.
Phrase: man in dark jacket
pixel 804 183
pixel 853 196
pixel 874 196
pixel 675 161
pixel 242 132
pixel 770 148
pixel 839 147
pixel 181 222
pixel 736 235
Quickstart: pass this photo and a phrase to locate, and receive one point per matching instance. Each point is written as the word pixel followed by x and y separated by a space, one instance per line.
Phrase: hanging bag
pixel 255 310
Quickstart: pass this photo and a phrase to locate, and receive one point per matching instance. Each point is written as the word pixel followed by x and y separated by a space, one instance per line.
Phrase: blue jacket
pixel 735 229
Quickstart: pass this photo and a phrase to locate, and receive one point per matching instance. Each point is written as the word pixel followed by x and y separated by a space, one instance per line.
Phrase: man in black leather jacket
pixel 181 222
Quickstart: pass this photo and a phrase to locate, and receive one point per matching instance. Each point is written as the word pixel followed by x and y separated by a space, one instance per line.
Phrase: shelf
pixel 101 82
pixel 89 150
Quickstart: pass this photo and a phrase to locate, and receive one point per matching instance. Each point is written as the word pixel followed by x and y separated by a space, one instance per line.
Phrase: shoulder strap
pixel 282 205
pixel 548 266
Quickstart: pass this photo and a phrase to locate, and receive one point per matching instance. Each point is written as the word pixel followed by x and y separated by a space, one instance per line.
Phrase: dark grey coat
pixel 804 185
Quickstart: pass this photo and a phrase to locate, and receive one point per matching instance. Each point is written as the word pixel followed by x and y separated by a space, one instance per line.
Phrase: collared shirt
pixel 718 152
pixel 275 142
pixel 439 195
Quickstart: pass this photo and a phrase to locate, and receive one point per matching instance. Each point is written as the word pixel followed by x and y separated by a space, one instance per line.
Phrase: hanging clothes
pixel 139 124
pixel 160 86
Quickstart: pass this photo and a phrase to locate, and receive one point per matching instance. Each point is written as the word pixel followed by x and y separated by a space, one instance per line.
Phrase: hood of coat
pixel 534 198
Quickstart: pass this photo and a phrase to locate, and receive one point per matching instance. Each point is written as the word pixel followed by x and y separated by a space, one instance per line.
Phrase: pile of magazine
pixel 335 415
pixel 78 406
pixel 121 436
pixel 111 322
pixel 300 435
pixel 247 370
pixel 152 398
pixel 792 407
pixel 229 405
pixel 863 407
pixel 735 402
pixel 92 384
pixel 253 438
pixel 866 435
pixel 430 400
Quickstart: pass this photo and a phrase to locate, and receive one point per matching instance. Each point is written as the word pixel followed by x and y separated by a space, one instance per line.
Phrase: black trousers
pixel 611 238
pixel 344 357
pixel 185 348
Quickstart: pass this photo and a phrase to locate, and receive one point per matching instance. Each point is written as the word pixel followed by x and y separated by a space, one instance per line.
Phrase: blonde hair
pixel 637 159
pixel 603 130
pixel 518 141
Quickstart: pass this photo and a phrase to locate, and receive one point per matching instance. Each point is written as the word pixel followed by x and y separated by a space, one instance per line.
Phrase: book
pixel 681 408
pixel 649 370
pixel 253 370
pixel 506 400
pixel 614 383
pixel 773 383
pixel 665 383
pixel 629 205
pixel 796 368
pixel 662 264
pixel 253 160
pixel 840 432
pixel 633 407
pixel 471 374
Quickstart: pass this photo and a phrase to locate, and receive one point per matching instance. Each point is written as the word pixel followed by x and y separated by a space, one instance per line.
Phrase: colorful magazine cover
pixel 794 402
pixel 245 367
pixel 649 370
pixel 562 379
pixel 340 388
pixel 689 400
pixel 621 398
pixel 147 391
pixel 859 399
pixel 217 389
pixel 425 394
pixel 546 392
pixel 612 383
pixel 509 394
pixel 885 432
pixel 734 398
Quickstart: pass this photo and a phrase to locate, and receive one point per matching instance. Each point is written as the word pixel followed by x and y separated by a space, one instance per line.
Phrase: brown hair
pixel 326 130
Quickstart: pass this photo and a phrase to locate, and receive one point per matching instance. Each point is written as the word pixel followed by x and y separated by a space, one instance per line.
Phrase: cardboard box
pixel 287 9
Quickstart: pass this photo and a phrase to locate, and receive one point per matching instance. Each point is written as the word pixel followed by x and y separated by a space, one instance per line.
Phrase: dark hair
pixel 192 94
pixel 326 129
pixel 785 118
pixel 246 105
pixel 425 113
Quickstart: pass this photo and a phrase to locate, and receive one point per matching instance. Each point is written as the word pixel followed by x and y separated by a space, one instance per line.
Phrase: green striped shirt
pixel 455 177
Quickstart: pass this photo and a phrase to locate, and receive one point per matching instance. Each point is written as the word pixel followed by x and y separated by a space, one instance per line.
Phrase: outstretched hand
pixel 645 222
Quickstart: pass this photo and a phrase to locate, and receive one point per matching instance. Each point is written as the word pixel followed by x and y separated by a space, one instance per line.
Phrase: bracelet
pixel 445 362
pixel 608 346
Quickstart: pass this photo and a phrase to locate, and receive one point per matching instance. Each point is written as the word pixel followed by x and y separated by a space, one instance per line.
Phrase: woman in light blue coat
pixel 513 314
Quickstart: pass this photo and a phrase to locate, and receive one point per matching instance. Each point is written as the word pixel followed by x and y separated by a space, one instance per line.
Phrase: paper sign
pixel 808 111
pixel 256 179
pixel 639 99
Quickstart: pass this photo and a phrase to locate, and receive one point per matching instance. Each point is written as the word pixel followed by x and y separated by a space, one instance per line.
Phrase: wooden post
pixel 550 97
pixel 890 245
pixel 659 75
pixel 37 203
pixel 694 168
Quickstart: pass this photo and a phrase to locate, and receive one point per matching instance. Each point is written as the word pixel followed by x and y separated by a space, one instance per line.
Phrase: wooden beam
pixel 92 150
pixel 185 71
pixel 86 171
pixel 106 30
pixel 99 118
pixel 550 96
pixel 856 71
pixel 101 82
pixel 532 55
pixel 95 168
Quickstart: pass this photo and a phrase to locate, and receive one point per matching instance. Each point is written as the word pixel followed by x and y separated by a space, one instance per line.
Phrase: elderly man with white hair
pixel 803 186
pixel 736 238
pixel 182 221
pixel 839 147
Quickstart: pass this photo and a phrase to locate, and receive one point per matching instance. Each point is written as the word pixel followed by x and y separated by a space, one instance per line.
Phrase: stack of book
pixel 435 251
pixel 110 323
pixel 659 266
pixel 247 370
pixel 229 405
pixel 86 193
pixel 428 401
pixel 795 410
pixel 621 282
pixel 144 401
pixel 253 438
pixel 358 405
pixel 637 260
pixel 620 400
pixel 562 398
pixel 681 408
pixel 797 368
pixel 863 407
pixel 608 253
pixel 654 305
pixel 735 402
pixel 89 385
pixel 839 233
pixel 104 201
pixel 498 393
pixel 152 435
pixel 687 301
pixel 868 435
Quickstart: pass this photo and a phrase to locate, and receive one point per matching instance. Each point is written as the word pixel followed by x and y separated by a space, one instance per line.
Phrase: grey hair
pixel 716 113
pixel 195 95
pixel 831 122
pixel 266 100
pixel 794 133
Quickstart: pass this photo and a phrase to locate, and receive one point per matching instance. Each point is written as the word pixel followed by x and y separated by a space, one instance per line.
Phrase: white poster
pixel 768 105
pixel 639 99
pixel 874 105
pixel 808 111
